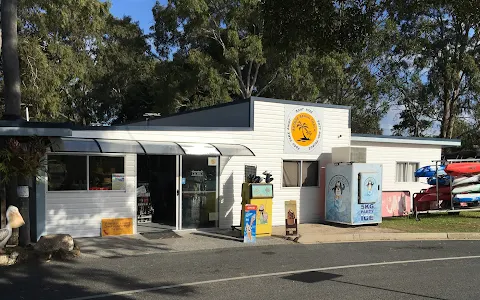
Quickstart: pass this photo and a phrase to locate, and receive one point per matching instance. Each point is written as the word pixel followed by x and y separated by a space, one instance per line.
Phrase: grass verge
pixel 438 222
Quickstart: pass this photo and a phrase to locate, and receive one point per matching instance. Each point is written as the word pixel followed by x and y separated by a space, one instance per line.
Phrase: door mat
pixel 167 234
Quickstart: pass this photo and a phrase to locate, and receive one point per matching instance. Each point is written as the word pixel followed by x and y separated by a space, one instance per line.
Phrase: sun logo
pixel 304 129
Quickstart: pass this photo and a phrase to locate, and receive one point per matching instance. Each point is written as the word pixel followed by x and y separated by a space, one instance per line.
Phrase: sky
pixel 141 11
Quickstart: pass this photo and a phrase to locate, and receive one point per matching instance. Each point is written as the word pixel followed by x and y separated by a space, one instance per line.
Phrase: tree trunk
pixel 11 67
pixel 23 194
pixel 447 113
pixel 451 120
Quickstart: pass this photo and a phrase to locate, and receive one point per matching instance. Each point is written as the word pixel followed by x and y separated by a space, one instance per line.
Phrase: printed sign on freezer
pixel 338 199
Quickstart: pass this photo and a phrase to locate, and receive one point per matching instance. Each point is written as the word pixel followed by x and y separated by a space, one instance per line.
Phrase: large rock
pixel 55 242
pixel 8 259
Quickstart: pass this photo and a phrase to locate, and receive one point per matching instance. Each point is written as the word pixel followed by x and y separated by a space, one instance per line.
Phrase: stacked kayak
pixel 433 173
pixel 466 185
pixel 429 171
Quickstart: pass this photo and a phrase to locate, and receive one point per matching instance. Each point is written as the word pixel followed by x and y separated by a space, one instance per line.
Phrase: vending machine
pixel 261 195
pixel 353 193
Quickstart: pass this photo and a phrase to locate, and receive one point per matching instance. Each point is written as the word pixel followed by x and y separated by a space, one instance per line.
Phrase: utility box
pixel 353 193
pixel 349 154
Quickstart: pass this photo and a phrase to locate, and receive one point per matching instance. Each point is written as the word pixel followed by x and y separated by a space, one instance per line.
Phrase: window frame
pixel 87 155
pixel 300 172
pixel 416 167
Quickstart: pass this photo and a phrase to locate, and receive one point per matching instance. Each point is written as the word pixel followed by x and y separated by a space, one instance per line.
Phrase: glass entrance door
pixel 199 192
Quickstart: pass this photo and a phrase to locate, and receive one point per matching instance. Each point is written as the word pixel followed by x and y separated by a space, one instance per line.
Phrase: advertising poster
pixel 338 202
pixel 291 217
pixel 118 226
pixel 250 228
pixel 118 182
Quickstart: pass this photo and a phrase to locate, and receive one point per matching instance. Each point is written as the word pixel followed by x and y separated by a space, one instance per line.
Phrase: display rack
pixel 144 204
pixel 455 209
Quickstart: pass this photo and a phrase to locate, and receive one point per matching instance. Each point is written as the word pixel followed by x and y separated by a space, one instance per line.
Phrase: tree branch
pixel 268 84
pixel 255 76
pixel 248 75
pixel 33 71
pixel 238 72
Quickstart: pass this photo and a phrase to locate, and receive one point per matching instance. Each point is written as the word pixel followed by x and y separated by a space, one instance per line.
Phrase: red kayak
pixel 457 169
pixel 429 197
pixel 441 190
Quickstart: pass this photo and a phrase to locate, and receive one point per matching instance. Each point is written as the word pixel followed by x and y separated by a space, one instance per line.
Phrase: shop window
pixel 406 171
pixel 310 173
pixel 106 173
pixel 290 174
pixel 300 173
pixel 67 172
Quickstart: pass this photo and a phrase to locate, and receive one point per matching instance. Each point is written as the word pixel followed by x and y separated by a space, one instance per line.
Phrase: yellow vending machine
pixel 261 195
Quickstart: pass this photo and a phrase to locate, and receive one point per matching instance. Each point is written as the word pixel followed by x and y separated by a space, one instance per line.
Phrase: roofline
pixel 292 102
pixel 240 101
pixel 405 140
pixel 24 128
pixel 157 128
pixel 187 112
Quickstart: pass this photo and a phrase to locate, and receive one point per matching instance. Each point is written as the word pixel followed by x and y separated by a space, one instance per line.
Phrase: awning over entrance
pixel 93 145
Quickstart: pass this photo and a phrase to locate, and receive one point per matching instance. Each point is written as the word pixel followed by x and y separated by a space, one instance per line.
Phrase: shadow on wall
pixel 312 200
pixel 64 222
pixel 227 203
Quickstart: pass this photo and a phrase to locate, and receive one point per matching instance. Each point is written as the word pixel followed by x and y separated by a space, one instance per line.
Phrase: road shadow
pixel 118 246
pixel 347 226
pixel 312 277
pixel 52 281
pixel 316 277
pixel 388 290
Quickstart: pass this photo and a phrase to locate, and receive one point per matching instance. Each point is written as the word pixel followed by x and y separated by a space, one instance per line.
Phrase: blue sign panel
pixel 368 187
pixel 250 224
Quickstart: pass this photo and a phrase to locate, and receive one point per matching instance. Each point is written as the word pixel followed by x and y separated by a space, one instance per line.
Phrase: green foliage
pixel 56 43
pixel 22 157
pixel 440 39
pixel 225 54
pixel 80 64
pixel 324 25
pixel 220 42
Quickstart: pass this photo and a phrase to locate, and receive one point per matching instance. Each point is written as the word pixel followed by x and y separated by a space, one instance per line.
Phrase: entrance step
pixel 144 219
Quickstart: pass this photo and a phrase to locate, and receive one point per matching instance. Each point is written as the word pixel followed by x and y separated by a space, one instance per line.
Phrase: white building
pixel 292 140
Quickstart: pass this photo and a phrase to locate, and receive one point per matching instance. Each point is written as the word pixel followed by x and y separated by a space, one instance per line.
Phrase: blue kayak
pixel 467 197
pixel 442 181
pixel 430 171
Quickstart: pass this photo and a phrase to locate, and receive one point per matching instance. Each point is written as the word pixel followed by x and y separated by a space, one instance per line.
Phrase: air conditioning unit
pixel 349 154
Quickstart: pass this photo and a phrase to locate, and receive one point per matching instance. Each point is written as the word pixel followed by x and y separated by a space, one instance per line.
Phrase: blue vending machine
pixel 353 193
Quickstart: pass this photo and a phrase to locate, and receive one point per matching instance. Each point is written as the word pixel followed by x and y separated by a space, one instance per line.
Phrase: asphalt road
pixel 381 270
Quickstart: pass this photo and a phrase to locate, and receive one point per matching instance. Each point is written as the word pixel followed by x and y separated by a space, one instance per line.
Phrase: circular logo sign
pixel 303 129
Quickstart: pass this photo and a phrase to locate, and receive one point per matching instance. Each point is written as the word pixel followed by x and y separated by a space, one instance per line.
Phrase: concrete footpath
pixel 168 242
pixel 320 233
